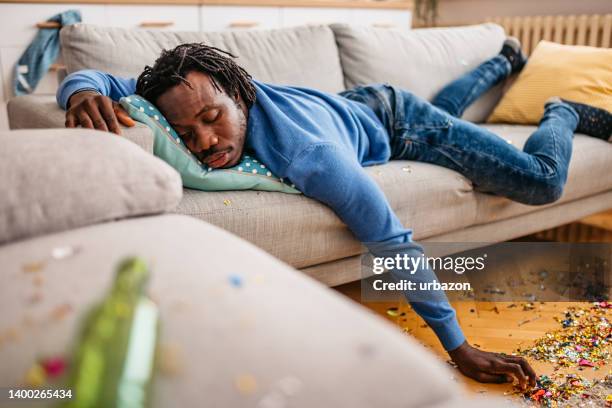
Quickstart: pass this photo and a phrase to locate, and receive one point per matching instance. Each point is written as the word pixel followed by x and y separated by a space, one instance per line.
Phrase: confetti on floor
pixel 393 311
pixel 582 342
pixel 583 339
pixel 569 391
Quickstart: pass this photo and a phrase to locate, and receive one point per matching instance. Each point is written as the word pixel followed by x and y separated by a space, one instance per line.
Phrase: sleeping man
pixel 321 142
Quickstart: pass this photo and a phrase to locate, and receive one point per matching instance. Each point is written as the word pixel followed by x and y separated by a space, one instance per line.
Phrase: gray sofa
pixel 238 328
pixel 438 204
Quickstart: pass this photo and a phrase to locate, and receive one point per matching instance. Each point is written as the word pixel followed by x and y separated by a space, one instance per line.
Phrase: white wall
pixel 469 11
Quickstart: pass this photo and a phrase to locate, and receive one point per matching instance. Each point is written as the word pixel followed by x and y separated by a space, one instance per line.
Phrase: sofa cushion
pixel 303 232
pixel 221 344
pixel 268 55
pixel 421 61
pixel 248 174
pixel 431 200
pixel 59 179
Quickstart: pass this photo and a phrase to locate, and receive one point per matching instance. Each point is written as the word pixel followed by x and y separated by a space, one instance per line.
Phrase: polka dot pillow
pixel 249 174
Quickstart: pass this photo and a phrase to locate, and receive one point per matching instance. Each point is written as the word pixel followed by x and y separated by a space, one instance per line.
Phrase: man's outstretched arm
pixel 90 100
pixel 333 176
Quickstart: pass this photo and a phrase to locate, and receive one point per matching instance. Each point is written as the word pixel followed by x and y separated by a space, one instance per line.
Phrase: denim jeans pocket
pixel 426 143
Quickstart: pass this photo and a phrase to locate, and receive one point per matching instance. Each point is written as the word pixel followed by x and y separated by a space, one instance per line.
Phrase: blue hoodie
pixel 320 142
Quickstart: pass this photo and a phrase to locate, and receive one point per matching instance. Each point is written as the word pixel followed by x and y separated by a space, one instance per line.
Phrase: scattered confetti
pixel 54 366
pixel 235 280
pixel 245 384
pixel 584 337
pixel 64 252
pixel 393 311
pixel 569 390
pixel 227 202
pixel 528 306
pixel 36 376
pixel 33 267
pixel 522 322
pixel 61 311
pixel 494 291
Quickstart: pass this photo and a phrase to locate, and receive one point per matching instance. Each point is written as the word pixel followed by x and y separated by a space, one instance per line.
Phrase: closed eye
pixel 211 116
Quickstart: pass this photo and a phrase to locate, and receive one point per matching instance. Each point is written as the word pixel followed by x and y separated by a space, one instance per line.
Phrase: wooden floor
pixel 493 325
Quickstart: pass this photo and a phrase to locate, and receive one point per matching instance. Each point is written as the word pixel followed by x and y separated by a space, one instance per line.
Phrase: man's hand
pixel 94 111
pixel 489 367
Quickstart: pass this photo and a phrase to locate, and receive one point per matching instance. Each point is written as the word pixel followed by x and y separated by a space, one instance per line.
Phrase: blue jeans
pixel 433 133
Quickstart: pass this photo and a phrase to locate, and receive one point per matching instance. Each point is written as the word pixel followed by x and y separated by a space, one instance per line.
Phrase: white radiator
pixel 593 30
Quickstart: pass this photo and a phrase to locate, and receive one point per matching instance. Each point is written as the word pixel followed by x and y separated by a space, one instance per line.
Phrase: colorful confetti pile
pixel 569 390
pixel 583 340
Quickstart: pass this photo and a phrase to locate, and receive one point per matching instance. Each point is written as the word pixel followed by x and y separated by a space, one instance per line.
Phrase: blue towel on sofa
pixel 41 53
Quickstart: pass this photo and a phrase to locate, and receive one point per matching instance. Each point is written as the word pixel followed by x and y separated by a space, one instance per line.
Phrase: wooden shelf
pixel 388 4
pixel 369 4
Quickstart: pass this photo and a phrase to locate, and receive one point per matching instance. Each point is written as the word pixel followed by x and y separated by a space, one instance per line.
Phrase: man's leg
pixel 457 96
pixel 535 175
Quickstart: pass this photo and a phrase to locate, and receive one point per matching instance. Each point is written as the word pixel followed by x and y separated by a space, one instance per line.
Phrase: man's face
pixel 211 123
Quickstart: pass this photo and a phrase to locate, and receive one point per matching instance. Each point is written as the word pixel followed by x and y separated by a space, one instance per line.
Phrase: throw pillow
pixel 578 73
pixel 60 179
pixel 249 174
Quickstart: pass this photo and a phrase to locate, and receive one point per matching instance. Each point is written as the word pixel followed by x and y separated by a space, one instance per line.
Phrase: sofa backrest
pixel 329 58
pixel 301 56
pixel 421 61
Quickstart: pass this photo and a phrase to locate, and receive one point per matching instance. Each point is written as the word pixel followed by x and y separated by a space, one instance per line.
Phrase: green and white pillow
pixel 249 174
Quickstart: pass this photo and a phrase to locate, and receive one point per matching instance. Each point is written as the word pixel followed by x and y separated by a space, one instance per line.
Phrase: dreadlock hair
pixel 173 65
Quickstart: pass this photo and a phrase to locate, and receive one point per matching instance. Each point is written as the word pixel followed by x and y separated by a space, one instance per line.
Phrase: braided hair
pixel 173 65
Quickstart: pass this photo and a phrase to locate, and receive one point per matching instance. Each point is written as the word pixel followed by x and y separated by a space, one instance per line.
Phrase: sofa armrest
pixel 42 111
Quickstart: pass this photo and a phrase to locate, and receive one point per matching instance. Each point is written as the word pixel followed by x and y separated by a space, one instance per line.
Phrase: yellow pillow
pixel 573 72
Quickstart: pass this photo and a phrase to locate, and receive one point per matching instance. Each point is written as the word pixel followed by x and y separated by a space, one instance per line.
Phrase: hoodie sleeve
pixel 106 84
pixel 333 176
